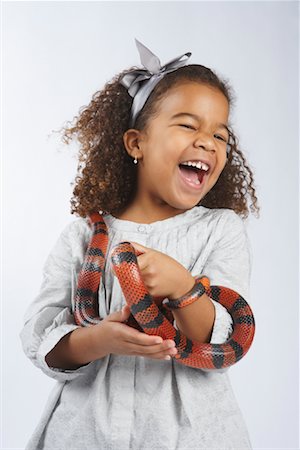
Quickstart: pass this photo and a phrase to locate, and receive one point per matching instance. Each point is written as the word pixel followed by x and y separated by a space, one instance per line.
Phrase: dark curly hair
pixel 107 178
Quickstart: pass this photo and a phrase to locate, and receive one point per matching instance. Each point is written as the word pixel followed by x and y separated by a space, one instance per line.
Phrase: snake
pixel 146 314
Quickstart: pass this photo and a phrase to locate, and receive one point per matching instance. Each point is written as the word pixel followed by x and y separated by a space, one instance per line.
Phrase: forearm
pixel 77 348
pixel 196 320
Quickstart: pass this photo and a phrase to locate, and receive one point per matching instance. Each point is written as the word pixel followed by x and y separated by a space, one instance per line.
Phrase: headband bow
pixel 141 82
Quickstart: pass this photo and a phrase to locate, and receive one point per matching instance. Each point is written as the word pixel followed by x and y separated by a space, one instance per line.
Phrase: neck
pixel 142 214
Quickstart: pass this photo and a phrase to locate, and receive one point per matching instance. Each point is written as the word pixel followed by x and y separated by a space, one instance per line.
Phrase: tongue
pixel 189 174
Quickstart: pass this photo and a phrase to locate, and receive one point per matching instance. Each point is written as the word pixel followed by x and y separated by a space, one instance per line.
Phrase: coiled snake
pixel 157 320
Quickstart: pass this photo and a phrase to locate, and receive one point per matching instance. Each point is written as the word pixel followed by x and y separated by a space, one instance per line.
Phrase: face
pixel 165 187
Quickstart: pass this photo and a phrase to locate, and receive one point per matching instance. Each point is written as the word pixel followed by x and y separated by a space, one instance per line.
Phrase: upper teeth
pixel 199 165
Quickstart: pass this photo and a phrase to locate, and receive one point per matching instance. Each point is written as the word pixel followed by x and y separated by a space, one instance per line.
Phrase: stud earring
pixel 135 160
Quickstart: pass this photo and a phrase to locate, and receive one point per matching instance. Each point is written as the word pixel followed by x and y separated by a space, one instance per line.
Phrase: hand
pixel 125 340
pixel 163 276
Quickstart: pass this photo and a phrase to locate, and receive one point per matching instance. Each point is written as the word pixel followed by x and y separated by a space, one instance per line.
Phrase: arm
pixel 228 264
pixel 49 319
pixel 50 337
pixel 197 319
pixel 77 348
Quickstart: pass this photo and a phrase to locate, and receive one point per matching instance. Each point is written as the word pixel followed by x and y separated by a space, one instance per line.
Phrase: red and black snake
pixel 156 320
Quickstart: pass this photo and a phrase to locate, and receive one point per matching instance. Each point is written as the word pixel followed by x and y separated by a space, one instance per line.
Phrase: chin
pixel 185 206
pixel 183 203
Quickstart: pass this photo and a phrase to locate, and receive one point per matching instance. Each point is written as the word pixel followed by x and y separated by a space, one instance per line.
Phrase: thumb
pixel 119 316
pixel 140 249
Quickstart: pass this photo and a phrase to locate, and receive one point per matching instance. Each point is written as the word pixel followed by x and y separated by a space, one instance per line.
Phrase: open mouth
pixel 193 175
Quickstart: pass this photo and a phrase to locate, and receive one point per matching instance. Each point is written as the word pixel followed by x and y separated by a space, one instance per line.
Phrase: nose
pixel 205 141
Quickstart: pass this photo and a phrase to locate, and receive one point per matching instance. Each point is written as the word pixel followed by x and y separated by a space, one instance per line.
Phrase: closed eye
pixel 187 126
pixel 193 128
pixel 220 137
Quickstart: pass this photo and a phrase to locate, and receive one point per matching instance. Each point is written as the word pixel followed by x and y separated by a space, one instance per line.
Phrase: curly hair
pixel 107 179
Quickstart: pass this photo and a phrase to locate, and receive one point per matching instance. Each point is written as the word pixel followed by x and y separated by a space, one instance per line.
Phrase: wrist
pixel 184 288
pixel 198 289
pixel 96 341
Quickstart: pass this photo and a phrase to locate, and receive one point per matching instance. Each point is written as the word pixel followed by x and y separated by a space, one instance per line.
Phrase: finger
pixel 142 339
pixel 139 248
pixel 153 351
pixel 119 316
pixel 125 309
pixel 136 337
pixel 142 261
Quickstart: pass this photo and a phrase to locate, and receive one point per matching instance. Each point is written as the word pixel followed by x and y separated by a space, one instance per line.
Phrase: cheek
pixel 161 160
pixel 224 162
pixel 162 156
pixel 219 169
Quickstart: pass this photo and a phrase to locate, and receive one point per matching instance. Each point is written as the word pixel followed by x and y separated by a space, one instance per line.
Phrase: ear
pixel 132 139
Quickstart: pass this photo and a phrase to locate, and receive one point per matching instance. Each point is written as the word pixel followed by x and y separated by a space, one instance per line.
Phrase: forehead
pixel 196 98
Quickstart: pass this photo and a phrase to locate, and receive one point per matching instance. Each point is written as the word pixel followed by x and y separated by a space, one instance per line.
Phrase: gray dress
pixel 130 402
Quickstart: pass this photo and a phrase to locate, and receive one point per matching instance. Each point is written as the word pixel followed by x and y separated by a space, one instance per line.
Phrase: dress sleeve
pixel 49 317
pixel 229 264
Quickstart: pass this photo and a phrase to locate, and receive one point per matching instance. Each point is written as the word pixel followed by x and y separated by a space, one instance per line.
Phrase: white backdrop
pixel 55 56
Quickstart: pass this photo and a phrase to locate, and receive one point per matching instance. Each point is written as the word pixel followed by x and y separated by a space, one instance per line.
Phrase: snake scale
pixel 150 318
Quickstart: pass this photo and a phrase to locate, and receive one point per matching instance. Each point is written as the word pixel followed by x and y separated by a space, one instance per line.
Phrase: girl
pixel 119 388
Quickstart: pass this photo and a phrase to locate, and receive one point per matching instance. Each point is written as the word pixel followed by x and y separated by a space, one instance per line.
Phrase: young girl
pixel 119 388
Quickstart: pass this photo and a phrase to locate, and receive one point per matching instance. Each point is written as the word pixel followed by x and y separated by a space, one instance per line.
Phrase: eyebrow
pixel 222 125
